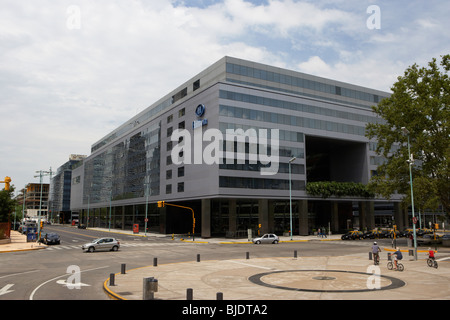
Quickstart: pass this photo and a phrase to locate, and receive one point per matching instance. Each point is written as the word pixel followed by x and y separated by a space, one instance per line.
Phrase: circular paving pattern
pixel 334 281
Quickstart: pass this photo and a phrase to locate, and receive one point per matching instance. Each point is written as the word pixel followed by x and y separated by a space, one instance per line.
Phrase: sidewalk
pixel 19 243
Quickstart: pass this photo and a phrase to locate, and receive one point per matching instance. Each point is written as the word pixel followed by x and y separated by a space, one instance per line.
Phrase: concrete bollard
pixel 295 254
pixel 155 262
pixel 122 268
pixel 112 278
pixel 247 255
pixel 189 294
pixel 150 286
pixel 198 257
pixel 219 296
pixel 370 256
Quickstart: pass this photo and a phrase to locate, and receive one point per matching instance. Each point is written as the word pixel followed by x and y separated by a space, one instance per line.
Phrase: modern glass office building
pixel 221 144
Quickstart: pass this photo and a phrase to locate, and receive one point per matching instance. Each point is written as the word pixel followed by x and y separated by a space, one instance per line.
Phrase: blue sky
pixel 71 71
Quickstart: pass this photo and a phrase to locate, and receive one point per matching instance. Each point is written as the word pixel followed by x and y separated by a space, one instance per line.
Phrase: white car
pixel 267 238
pixel 101 244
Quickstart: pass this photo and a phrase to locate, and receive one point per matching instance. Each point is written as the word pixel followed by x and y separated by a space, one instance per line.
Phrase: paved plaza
pixel 351 277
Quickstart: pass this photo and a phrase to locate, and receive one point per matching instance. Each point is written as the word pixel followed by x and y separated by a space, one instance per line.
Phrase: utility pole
pixel 41 175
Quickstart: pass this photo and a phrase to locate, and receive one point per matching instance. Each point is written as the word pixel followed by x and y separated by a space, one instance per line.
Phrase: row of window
pixel 300 82
pixel 236 112
pixel 288 105
pixel 260 183
pixel 284 135
pixel 282 167
pixel 180 187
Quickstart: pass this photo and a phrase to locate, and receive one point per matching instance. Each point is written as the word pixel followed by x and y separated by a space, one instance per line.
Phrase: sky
pixel 71 71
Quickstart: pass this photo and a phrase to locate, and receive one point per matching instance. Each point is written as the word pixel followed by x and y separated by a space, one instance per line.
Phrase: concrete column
pixel 398 216
pixel 370 215
pixel 271 209
pixel 303 217
pixel 334 216
pixel 232 223
pixel 263 215
pixel 206 218
pixel 362 215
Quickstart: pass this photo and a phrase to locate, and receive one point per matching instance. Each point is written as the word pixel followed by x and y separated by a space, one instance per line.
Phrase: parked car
pixel 428 239
pixel 81 226
pixel 446 240
pixel 373 234
pixel 352 235
pixel 50 238
pixel 101 244
pixel 267 238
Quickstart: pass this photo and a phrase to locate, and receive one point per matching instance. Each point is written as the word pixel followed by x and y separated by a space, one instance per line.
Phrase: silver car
pixel 101 244
pixel 267 238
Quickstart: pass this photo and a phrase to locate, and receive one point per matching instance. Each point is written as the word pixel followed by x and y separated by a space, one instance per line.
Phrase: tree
pixel 7 204
pixel 420 103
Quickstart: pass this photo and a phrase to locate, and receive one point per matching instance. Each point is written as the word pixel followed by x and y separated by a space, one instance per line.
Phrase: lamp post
pixel 290 196
pixel 147 184
pixel 410 162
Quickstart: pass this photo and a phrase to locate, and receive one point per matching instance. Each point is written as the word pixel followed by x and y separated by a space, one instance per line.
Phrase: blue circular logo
pixel 200 110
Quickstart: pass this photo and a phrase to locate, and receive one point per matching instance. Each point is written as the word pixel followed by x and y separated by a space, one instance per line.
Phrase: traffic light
pixel 42 224
pixel 161 204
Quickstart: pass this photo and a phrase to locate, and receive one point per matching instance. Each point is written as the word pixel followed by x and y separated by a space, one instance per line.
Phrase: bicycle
pixel 431 262
pixel 400 267
pixel 376 259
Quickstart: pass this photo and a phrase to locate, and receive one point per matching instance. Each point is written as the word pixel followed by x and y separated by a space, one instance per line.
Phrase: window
pixel 168 174
pixel 180 187
pixel 181 112
pixel 196 85
pixel 181 172
pixel 170 118
pixel 168 188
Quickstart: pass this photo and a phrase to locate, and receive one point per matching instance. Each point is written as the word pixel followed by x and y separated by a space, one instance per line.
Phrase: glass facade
pixel 126 170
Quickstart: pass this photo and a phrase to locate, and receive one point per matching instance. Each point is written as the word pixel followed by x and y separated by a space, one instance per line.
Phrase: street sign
pixel 415 220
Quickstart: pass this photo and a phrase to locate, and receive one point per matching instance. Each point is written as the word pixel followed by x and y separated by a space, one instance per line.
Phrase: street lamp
pixel 410 162
pixel 290 195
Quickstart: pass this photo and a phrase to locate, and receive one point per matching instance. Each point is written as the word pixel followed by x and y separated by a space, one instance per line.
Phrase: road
pixel 65 272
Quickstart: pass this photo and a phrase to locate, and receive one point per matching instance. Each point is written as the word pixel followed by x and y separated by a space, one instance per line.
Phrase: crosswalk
pixel 122 245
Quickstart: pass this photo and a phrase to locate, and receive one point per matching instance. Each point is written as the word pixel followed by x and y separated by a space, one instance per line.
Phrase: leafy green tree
pixel 419 103
pixel 7 204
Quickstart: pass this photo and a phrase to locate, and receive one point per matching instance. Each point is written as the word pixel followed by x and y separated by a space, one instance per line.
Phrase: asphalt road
pixel 65 272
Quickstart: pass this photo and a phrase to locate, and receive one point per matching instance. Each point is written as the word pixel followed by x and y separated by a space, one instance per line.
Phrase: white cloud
pixel 63 89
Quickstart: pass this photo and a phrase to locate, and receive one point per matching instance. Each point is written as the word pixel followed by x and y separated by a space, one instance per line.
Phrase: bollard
pixel 150 286
pixel 295 254
pixel 112 279
pixel 247 255
pixel 122 268
pixel 389 256
pixel 411 252
pixel 189 294
pixel 198 257
pixel 155 262
pixel 219 296
pixel 370 255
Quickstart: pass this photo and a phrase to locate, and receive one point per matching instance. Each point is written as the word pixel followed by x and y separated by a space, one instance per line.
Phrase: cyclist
pixel 431 254
pixel 397 256
pixel 375 250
